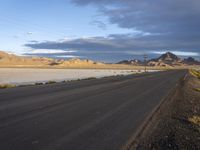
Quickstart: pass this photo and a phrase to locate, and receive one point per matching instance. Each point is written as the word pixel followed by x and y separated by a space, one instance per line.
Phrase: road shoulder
pixel 176 125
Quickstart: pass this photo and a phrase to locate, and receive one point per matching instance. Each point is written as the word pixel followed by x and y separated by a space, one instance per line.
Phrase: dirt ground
pixel 176 126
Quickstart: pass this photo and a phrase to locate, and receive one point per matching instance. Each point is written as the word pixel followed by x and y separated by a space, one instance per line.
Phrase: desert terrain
pixel 116 106
pixel 164 62
pixel 20 70
pixel 23 76
pixel 100 75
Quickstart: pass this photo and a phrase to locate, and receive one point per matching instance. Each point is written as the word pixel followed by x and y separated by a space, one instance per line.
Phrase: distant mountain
pixel 168 57
pixel 134 62
pixel 14 60
pixel 165 60
pixel 10 60
pixel 191 61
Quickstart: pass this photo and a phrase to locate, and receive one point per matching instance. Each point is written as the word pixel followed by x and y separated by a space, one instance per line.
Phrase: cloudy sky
pixel 103 30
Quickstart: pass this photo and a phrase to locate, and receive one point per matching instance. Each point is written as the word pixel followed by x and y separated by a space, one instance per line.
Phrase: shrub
pixel 6 86
pixel 195 73
pixel 195 120
pixel 50 82
pixel 39 83
pixel 197 89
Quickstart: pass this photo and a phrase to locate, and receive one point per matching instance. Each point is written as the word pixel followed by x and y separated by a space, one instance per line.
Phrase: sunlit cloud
pixel 50 51
pixel 179 53
pixel 68 56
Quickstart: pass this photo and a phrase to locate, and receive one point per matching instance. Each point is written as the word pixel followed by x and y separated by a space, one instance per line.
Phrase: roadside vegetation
pixel 197 89
pixel 195 73
pixel 50 82
pixel 39 83
pixel 195 120
pixel 6 86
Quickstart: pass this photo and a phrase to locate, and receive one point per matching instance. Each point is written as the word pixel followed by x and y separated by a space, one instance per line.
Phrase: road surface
pixel 99 114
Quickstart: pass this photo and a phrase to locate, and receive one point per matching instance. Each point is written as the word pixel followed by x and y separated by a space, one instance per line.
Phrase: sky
pixel 102 30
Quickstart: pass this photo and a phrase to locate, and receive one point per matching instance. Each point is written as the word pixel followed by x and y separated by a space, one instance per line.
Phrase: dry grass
pixel 39 83
pixel 197 89
pixel 50 82
pixel 6 86
pixel 195 73
pixel 195 120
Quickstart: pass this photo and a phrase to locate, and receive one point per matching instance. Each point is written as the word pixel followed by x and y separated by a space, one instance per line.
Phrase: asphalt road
pixel 99 114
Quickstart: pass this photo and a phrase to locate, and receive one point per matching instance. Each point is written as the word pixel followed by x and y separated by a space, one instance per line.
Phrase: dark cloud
pixel 121 46
pixel 158 16
pixel 178 20
pixel 159 24
pixel 123 42
pixel 96 43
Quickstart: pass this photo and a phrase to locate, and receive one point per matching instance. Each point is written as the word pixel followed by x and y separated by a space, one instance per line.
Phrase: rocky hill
pixel 170 59
pixel 10 60
pixel 166 60
pixel 191 61
pixel 13 60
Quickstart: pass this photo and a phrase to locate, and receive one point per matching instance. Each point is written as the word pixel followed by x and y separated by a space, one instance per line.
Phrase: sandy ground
pixel 29 76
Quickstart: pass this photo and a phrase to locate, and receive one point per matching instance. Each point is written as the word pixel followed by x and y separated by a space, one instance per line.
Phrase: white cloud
pixel 68 56
pixel 179 53
pixel 50 51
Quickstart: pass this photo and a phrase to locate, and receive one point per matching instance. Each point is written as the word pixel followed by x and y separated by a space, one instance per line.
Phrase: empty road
pixel 98 114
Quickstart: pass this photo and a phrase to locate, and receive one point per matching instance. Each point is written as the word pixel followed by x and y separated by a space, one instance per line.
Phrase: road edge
pixel 135 138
